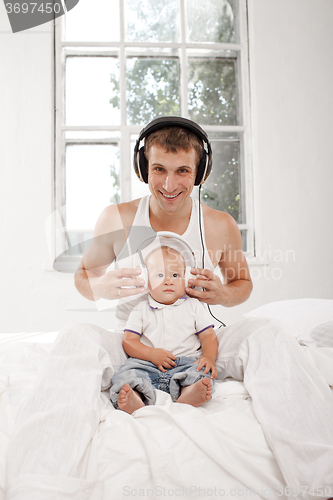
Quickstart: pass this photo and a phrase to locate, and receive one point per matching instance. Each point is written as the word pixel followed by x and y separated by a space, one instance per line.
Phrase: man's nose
pixel 170 183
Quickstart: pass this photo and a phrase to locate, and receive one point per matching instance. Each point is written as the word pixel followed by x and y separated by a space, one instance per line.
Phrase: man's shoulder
pixel 219 225
pixel 118 216
pixel 216 216
pixel 126 210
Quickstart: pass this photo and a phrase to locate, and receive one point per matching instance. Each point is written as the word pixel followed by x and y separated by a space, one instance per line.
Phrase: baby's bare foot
pixel 196 394
pixel 129 400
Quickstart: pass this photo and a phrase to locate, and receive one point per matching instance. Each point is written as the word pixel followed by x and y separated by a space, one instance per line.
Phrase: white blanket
pixel 166 450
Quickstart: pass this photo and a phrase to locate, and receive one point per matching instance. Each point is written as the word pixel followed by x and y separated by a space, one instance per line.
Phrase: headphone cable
pixel 203 255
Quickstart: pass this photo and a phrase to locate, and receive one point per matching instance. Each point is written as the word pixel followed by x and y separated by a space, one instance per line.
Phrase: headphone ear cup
pixel 143 165
pixel 204 169
pixel 188 275
pixel 144 276
pixel 201 169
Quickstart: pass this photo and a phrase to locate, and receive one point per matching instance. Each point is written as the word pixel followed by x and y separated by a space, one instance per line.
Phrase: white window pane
pixel 93 21
pixel 212 91
pixel 211 21
pixel 152 20
pixel 152 88
pixel 79 242
pixel 92 135
pixel 244 239
pixel 223 189
pixel 138 188
pixel 152 82
pixel 89 91
pixel 92 183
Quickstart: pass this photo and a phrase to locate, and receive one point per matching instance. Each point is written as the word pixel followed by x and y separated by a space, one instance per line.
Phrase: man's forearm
pixel 238 292
pixel 83 284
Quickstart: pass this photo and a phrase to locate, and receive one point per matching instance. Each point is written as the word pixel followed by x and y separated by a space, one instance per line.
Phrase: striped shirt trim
pixel 206 328
pixel 133 331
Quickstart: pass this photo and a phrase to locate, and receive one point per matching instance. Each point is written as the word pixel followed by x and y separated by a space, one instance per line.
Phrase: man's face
pixel 171 177
pixel 166 276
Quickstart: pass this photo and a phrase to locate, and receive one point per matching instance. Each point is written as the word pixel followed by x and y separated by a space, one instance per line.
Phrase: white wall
pixel 291 75
pixel 291 50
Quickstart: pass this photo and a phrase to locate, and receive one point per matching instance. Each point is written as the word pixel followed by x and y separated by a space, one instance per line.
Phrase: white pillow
pixel 304 315
pixel 320 336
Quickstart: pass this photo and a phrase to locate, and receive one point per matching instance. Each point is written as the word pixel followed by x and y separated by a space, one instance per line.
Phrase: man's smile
pixel 170 196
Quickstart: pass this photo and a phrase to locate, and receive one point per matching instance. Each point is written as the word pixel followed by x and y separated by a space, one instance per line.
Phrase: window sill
pixel 258 261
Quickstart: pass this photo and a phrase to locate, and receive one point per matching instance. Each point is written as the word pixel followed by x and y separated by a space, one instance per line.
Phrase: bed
pixel 169 450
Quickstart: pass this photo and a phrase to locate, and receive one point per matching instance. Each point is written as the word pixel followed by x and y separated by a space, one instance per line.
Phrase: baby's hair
pixel 166 250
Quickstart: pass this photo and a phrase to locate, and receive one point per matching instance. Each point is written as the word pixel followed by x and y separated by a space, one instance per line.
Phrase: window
pixel 122 63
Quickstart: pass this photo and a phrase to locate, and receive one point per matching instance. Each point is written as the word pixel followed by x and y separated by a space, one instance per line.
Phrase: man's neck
pixel 176 222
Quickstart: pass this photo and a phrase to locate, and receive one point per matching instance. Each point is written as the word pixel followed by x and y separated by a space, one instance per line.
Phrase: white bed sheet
pixel 218 447
pixel 217 450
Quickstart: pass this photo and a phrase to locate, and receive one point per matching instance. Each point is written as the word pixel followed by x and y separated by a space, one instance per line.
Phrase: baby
pixel 170 339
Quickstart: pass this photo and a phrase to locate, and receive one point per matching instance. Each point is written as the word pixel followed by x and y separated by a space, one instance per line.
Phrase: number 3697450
pixel 31 7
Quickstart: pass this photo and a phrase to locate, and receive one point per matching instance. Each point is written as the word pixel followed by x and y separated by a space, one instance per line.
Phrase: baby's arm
pixel 210 346
pixel 136 349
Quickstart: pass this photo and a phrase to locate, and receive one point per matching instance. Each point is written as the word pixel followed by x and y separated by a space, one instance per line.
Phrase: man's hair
pixel 173 139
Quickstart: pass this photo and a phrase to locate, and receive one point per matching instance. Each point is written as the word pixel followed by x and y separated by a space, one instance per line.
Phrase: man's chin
pixel 171 206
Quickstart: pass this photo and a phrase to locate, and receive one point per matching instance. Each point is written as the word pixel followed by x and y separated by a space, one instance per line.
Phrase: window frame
pixel 126 131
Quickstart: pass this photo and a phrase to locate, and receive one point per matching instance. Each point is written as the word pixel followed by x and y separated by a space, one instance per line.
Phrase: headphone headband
pixel 140 162
pixel 168 234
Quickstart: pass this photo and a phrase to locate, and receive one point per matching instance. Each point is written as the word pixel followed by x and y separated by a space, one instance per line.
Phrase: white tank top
pixel 141 229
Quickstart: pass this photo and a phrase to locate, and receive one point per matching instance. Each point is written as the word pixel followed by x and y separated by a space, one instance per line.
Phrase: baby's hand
pixel 209 365
pixel 162 359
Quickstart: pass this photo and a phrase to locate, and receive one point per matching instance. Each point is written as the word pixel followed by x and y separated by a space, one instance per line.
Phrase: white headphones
pixel 189 255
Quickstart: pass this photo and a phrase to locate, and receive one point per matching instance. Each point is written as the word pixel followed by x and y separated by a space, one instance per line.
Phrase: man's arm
pixel 91 278
pixel 237 285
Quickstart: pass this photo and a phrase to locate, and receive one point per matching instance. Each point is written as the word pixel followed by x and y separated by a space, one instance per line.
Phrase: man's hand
pixel 112 285
pixel 209 365
pixel 162 359
pixel 214 291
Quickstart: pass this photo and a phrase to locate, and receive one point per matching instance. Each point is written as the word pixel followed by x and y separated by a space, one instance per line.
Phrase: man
pixel 173 154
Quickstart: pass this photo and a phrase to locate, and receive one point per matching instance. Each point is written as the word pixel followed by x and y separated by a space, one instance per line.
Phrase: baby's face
pixel 166 277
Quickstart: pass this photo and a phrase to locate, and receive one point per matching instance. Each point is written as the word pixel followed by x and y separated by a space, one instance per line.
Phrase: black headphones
pixel 140 162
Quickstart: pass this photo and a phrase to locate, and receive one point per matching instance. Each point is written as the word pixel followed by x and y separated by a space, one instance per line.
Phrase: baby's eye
pixel 160 275
pixel 175 275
